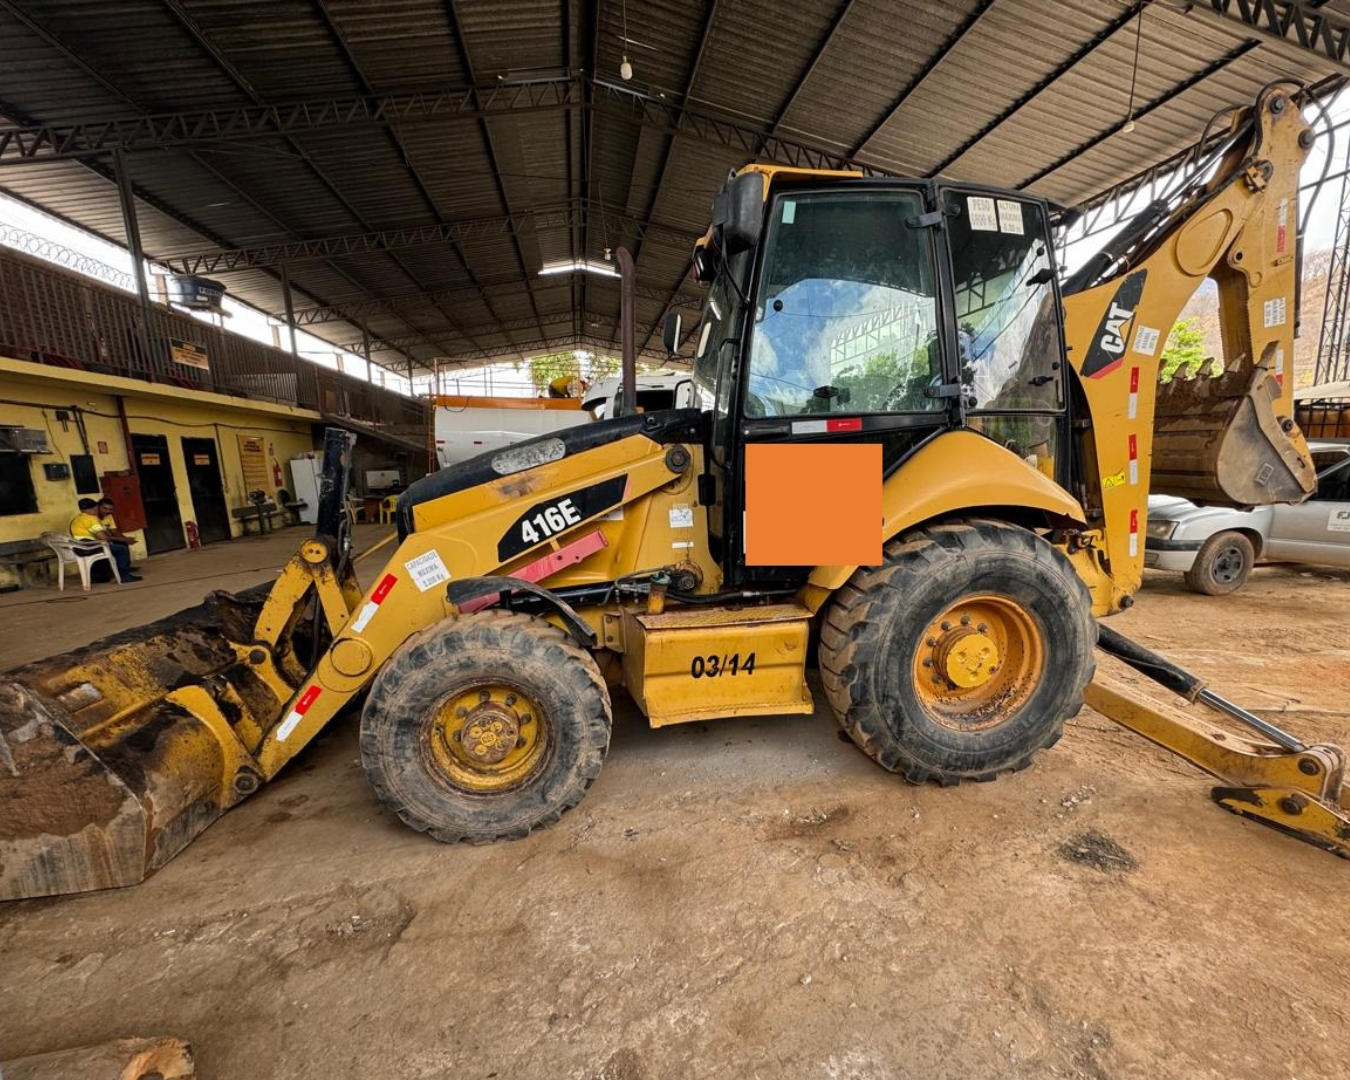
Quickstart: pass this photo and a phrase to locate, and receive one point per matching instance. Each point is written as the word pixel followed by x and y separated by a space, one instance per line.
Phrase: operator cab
pixel 847 308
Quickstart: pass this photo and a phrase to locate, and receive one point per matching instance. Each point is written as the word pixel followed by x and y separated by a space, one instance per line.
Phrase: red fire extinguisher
pixel 276 473
pixel 194 537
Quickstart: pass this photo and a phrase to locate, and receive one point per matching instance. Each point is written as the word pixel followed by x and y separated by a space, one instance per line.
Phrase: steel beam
pixel 204 42
pixel 250 123
pixel 1303 27
pixel 538 346
pixel 132 228
pixel 355 310
pixel 389 240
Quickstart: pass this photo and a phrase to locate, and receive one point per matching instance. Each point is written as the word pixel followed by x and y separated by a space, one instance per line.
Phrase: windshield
pixel 846 318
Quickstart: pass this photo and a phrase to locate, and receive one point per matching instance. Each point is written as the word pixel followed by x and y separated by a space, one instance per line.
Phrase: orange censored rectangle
pixel 813 504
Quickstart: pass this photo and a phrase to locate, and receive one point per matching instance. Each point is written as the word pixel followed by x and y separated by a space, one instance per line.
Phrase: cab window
pixel 1007 330
pixel 846 316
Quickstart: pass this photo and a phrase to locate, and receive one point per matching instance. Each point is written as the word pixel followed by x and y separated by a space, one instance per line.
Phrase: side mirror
pixel 670 335
pixel 739 211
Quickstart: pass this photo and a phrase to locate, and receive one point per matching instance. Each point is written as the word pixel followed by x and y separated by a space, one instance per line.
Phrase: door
pixel 207 488
pixel 1316 531
pixel 845 343
pixel 159 494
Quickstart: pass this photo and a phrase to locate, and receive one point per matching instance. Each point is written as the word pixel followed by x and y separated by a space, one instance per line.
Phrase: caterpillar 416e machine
pixel 1018 418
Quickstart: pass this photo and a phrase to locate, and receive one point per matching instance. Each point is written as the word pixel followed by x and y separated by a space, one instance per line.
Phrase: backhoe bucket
pixel 104 773
pixel 1218 441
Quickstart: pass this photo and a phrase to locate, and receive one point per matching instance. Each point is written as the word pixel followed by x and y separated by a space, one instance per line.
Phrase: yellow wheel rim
pixel 486 738
pixel 978 662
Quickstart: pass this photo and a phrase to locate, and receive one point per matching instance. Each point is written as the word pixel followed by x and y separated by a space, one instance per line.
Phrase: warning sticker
pixel 427 571
pixel 1274 312
pixel 982 215
pixel 1146 340
pixel 1115 480
pixel 1338 521
pixel 681 517
pixel 1010 217
pixel 297 714
pixel 789 211
pixel 367 613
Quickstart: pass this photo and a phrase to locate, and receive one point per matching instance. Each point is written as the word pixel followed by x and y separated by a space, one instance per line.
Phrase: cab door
pixel 846 339
pixel 1009 334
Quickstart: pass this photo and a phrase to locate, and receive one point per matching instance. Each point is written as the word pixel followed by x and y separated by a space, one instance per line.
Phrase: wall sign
pixel 188 353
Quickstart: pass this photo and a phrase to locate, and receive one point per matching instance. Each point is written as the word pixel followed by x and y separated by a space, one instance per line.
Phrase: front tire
pixel 962 655
pixel 485 726
pixel 1222 564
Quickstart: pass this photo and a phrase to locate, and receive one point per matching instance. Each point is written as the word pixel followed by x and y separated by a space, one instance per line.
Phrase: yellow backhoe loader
pixel 1018 417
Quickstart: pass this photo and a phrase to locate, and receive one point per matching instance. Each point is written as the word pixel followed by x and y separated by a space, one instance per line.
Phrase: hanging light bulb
pixel 625 70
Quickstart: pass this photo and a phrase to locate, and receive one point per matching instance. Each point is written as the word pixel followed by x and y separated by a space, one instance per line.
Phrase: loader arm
pixel 119 754
pixel 1229 439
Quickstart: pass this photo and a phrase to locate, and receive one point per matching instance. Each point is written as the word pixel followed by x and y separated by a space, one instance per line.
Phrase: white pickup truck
pixel 1216 547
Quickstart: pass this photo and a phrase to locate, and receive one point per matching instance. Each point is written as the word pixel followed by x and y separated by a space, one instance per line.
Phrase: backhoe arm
pixel 1228 439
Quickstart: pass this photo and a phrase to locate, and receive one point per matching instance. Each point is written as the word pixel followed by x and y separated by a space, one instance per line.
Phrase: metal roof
pixel 433 154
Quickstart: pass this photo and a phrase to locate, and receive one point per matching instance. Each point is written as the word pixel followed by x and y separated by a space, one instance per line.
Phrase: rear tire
pixel 962 655
pixel 485 726
pixel 1222 564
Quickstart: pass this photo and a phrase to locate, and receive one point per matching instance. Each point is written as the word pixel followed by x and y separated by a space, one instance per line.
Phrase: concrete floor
pixel 739 899
pixel 53 621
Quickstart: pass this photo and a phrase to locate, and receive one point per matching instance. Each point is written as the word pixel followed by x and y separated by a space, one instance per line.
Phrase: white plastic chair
pixel 65 546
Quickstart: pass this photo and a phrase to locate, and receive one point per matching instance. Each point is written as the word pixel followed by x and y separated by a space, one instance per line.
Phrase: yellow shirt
pixel 86 527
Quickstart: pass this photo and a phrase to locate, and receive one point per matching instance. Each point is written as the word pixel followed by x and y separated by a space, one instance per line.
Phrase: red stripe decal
pixel 1134 380
pixel 382 589
pixel 1134 521
pixel 307 699
pixel 1134 447
pixel 1101 373
pixel 844 425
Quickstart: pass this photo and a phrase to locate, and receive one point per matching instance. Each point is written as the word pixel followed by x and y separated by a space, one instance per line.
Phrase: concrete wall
pixel 30 395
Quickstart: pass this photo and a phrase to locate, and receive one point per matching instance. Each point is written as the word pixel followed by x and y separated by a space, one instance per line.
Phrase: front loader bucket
pixel 104 774
pixel 1218 441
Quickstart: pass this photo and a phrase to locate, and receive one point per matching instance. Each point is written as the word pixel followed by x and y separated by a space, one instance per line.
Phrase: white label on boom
pixel 427 571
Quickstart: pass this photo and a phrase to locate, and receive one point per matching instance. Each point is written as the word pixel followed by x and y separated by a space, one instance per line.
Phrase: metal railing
pixel 51 316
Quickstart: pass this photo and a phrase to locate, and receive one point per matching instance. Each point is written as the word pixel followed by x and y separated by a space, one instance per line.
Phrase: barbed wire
pixel 12 236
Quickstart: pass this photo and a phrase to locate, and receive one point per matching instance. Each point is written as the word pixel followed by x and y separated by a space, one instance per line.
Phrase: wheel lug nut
pixel 526 718
pixel 982 628
pixel 993 670
pixel 965 620
pixel 461 712
pixel 458 736
pixel 483 695
pixel 932 641
pixel 510 699
pixel 520 742
pixel 946 625
pixel 927 661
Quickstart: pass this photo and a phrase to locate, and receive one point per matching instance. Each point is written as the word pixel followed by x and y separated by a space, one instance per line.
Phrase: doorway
pixel 207 488
pixel 159 494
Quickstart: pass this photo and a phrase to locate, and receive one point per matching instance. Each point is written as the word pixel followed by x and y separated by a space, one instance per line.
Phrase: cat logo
pixel 1108 345
pixel 1113 341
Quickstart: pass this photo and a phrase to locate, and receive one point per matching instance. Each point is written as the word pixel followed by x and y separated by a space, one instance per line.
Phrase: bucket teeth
pixel 1219 441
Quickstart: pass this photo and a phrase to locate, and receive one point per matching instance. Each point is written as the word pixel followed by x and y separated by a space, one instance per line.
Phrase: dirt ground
pixel 753 899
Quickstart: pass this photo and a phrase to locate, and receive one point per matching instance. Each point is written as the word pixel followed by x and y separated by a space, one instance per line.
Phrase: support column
pixel 365 347
pixel 149 342
pixel 289 301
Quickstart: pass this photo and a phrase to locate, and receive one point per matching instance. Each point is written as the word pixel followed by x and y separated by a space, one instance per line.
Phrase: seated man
pixel 95 522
